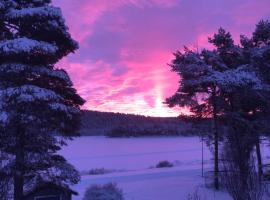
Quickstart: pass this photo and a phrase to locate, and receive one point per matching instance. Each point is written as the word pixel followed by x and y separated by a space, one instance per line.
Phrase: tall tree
pixel 198 92
pixel 222 84
pixel 245 90
pixel 38 100
pixel 257 52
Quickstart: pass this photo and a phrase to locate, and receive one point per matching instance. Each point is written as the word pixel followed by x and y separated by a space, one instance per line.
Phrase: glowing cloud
pixel 125 46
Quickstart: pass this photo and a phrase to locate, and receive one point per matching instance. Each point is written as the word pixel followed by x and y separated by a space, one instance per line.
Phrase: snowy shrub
pixel 98 171
pixel 108 191
pixel 163 164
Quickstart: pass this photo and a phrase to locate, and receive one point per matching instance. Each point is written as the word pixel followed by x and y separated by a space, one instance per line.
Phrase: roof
pixel 45 185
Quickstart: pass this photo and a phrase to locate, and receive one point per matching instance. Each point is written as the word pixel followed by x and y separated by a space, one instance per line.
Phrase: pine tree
pixel 261 35
pixel 259 54
pixel 224 83
pixel 197 91
pixel 38 101
pixel 245 94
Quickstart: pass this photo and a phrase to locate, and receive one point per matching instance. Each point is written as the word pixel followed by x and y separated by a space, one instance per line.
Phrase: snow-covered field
pixel 131 162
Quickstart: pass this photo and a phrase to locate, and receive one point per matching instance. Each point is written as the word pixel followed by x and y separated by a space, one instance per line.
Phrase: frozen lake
pixel 132 160
pixel 133 153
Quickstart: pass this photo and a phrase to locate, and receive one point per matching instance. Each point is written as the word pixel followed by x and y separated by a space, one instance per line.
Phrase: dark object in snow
pixel 109 191
pixel 163 164
pixel 99 171
pixel 50 191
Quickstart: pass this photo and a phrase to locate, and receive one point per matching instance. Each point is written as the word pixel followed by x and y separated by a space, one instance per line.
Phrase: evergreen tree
pixel 245 89
pixel 257 51
pixel 261 35
pixel 38 101
pixel 197 91
pixel 226 84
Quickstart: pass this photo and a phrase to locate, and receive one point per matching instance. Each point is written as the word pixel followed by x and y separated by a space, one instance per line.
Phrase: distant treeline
pixel 128 125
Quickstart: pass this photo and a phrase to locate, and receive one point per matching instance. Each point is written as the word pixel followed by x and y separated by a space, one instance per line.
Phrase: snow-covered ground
pixel 131 160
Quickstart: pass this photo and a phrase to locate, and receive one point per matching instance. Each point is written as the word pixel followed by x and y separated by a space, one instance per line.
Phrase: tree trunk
pixel 216 157
pixel 19 172
pixel 216 138
pixel 259 158
pixel 18 186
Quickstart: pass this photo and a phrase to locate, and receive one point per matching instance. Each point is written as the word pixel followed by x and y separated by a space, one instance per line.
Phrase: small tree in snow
pixel 38 100
pixel 104 192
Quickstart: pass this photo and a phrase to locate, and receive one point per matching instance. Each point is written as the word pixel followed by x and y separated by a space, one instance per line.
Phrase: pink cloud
pixel 126 45
pixel 84 13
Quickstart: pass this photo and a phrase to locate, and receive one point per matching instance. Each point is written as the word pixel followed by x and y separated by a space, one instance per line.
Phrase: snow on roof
pixel 26 45
pixel 45 185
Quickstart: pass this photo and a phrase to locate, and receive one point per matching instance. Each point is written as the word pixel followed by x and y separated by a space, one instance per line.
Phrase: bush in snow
pixel 163 164
pixel 98 171
pixel 108 191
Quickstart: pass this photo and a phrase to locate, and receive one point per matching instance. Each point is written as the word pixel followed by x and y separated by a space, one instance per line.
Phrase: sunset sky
pixel 125 46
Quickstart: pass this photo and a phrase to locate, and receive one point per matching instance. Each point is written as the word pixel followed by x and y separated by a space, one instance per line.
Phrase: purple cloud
pixel 125 46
